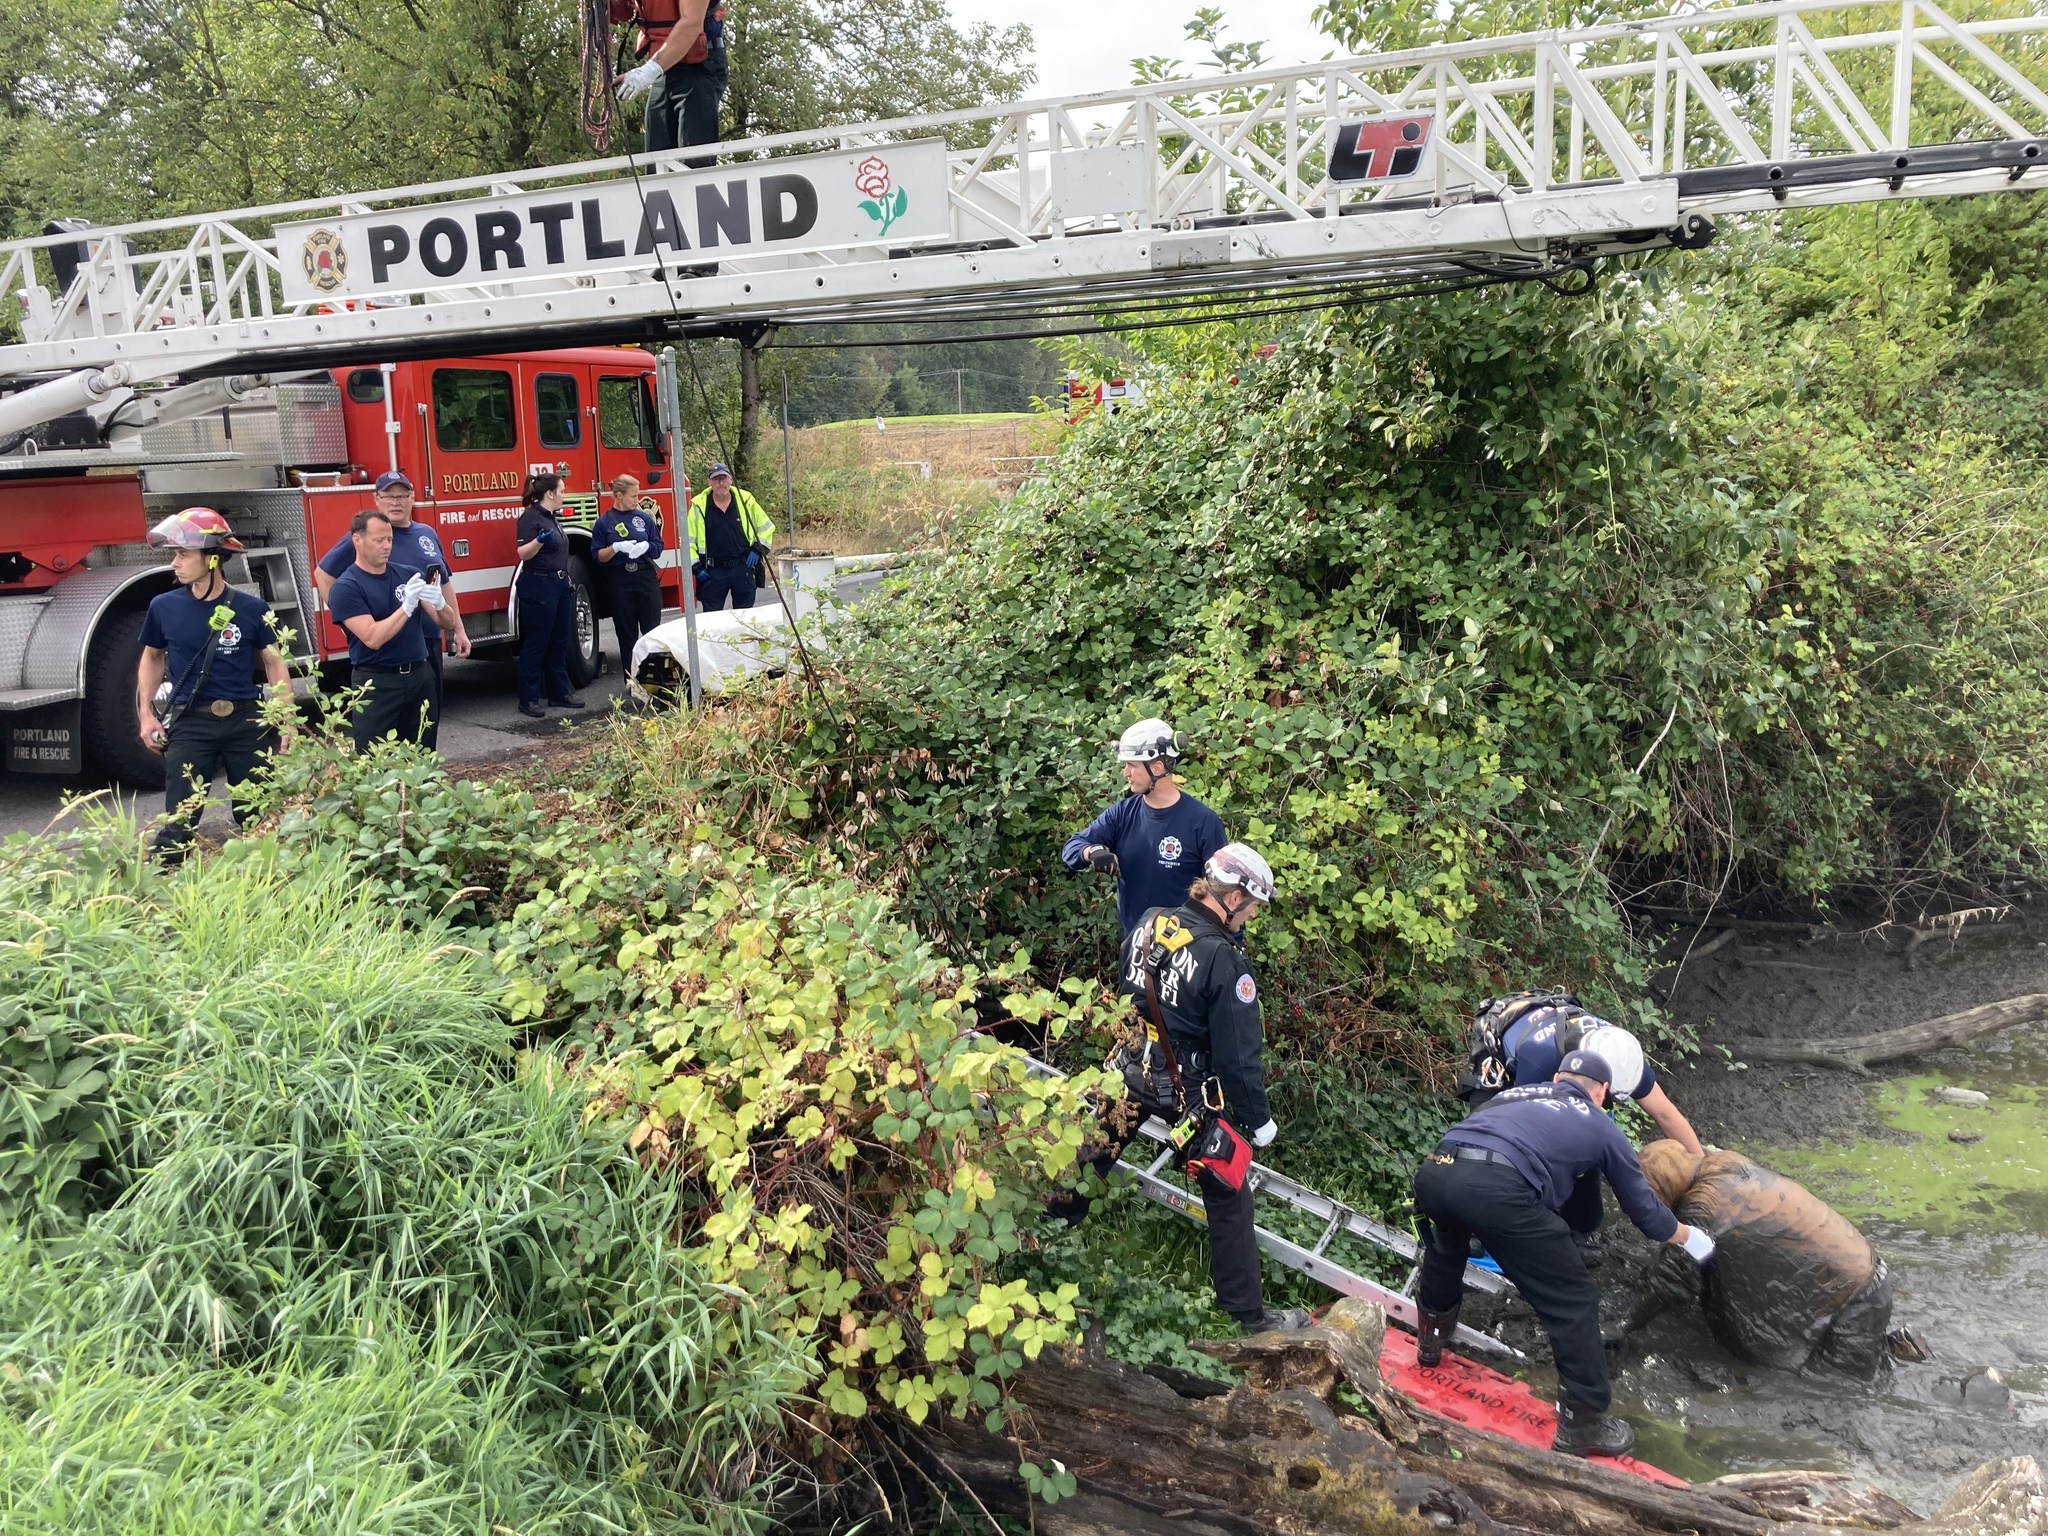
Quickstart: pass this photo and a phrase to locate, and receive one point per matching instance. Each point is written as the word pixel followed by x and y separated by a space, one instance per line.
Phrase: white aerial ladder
pixel 1498 158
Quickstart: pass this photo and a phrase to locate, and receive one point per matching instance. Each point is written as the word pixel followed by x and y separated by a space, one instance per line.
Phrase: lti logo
pixel 1379 148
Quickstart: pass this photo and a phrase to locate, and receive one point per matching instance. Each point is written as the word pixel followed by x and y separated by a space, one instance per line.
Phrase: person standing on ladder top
pixel 1156 837
pixel 1504 1176
pixel 209 640
pixel 1191 959
pixel 729 539
pixel 626 543
pixel 415 551
pixel 683 73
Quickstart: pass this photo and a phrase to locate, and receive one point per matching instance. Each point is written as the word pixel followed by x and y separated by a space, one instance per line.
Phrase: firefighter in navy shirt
pixel 547 603
pixel 415 550
pixel 387 652
pixel 1156 838
pixel 1194 959
pixel 209 640
pixel 626 543
pixel 1503 1176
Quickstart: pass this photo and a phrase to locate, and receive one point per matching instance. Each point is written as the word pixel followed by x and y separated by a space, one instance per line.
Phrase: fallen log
pixel 2000 1498
pixel 1855 1053
pixel 1279 1452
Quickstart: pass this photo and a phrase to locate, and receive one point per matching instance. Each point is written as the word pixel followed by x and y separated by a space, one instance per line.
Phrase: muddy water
pixel 1962 1220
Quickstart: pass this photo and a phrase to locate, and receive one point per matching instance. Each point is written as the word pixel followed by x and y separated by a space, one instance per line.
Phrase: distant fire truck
pixel 290 461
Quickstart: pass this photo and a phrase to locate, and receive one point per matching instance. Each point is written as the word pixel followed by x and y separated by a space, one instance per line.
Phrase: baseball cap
pixel 1587 1064
pixel 719 469
pixel 392 477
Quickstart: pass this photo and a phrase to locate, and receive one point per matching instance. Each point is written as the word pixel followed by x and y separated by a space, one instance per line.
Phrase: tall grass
pixel 347 1263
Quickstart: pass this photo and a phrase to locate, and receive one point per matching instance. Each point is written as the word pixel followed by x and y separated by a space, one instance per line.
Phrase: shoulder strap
pixel 1168 935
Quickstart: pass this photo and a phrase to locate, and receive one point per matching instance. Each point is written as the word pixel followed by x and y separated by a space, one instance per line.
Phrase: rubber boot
pixel 1583 1431
pixel 1437 1329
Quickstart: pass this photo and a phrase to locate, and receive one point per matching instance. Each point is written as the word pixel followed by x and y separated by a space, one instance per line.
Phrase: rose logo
pixel 884 205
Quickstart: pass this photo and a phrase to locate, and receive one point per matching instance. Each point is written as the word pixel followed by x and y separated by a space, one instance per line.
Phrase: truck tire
pixel 109 713
pixel 584 654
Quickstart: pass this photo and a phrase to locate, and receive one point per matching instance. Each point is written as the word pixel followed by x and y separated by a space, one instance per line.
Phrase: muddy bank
pixel 1782 988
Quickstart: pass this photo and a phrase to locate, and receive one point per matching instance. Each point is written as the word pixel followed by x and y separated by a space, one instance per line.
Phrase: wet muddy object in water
pixel 1950 1095
pixel 1792 1283
pixel 1986 1392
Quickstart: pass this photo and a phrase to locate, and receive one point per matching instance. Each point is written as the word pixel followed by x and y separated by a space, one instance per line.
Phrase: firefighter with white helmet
pixel 1157 837
pixel 208 654
pixel 1536 1046
pixel 1184 968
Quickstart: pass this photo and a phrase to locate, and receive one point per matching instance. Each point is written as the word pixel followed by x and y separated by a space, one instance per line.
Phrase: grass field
pixel 859 490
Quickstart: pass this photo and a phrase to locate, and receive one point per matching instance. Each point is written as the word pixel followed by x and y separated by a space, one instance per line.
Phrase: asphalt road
pixel 480 723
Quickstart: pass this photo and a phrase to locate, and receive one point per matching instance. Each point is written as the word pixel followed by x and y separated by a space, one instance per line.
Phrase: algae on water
pixel 1925 1180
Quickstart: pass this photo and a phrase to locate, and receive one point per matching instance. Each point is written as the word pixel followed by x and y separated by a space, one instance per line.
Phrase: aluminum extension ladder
pixel 1315 1261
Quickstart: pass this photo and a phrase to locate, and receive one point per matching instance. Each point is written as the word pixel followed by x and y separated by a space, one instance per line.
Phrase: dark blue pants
pixel 201 745
pixel 547 628
pixel 683 108
pixel 722 581
pixel 1534 1249
pixel 394 703
pixel 636 608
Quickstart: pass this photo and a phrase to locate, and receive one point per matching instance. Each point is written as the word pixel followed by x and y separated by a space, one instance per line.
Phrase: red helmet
pixel 199 528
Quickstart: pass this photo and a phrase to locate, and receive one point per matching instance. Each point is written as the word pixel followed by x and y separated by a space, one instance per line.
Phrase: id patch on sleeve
pixel 1246 990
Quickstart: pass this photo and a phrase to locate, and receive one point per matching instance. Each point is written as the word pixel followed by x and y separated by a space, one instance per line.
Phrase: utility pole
pixel 668 405
pixel 959 391
pixel 788 475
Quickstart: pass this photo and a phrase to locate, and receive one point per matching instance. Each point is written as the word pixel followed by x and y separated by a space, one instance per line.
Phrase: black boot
pixel 1273 1320
pixel 1583 1431
pixel 1437 1329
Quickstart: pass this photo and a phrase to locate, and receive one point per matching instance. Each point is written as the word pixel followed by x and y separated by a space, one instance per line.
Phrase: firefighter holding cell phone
pixel 198 696
pixel 1199 1069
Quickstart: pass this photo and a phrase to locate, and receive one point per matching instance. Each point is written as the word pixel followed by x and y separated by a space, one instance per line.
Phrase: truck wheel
pixel 109 714
pixel 583 652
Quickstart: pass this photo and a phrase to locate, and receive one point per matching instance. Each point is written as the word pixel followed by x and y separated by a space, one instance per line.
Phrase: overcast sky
pixel 1089 47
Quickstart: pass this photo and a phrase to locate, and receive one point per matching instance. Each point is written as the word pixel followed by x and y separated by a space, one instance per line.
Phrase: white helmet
pixel 1148 741
pixel 1236 865
pixel 1623 1054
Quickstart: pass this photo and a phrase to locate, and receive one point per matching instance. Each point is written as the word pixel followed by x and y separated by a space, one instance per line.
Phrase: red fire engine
pixel 290 461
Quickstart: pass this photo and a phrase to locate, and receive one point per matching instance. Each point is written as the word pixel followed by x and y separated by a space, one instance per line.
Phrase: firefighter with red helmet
pixel 208 656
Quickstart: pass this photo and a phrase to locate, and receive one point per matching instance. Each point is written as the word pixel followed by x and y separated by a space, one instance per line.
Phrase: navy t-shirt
pixel 1552 1135
pixel 181 625
pixel 1159 852
pixel 627 527
pixel 1531 1050
pixel 550 559
pixel 356 595
pixel 414 548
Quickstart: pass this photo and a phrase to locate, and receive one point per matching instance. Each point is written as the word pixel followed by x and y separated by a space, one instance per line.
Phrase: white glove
pixel 639 80
pixel 1263 1136
pixel 1699 1244
pixel 432 595
pixel 409 595
pixel 632 549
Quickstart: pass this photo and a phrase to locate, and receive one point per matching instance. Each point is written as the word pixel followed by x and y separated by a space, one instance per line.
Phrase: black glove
pixel 697 570
pixel 1100 859
pixel 761 550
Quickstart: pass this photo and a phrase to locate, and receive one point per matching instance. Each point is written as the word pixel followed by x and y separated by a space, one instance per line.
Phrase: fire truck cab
pixel 290 462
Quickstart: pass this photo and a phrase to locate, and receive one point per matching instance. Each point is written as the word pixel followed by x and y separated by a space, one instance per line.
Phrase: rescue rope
pixel 599 73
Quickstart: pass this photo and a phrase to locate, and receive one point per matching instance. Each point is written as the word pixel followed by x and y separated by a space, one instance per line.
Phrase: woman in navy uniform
pixel 627 545
pixel 210 641
pixel 547 603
